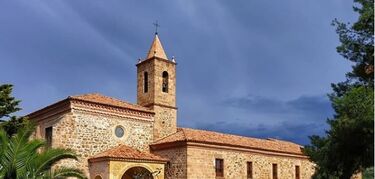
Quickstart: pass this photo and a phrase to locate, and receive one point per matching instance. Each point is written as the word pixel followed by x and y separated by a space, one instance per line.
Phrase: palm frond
pixel 46 159
pixel 67 172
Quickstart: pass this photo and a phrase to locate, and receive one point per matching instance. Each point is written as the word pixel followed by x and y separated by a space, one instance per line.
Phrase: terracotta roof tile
pixel 125 152
pixel 101 99
pixel 210 137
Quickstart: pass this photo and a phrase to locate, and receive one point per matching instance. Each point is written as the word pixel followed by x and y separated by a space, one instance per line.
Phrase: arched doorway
pixel 137 173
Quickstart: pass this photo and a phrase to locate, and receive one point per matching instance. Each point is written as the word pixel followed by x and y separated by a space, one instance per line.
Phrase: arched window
pixel 145 82
pixel 98 177
pixel 165 82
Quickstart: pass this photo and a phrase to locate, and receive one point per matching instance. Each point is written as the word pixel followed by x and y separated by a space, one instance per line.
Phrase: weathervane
pixel 156 24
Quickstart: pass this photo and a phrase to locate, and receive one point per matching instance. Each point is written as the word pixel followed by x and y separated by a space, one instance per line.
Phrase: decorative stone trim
pixel 161 105
pixel 50 111
pixel 157 58
pixel 85 110
pixel 111 110
pixel 93 160
pixel 67 105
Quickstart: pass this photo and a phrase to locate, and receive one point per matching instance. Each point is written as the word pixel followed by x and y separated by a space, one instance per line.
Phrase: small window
pixel 98 177
pixel 249 170
pixel 119 131
pixel 274 171
pixel 48 136
pixel 297 172
pixel 165 82
pixel 219 167
pixel 145 82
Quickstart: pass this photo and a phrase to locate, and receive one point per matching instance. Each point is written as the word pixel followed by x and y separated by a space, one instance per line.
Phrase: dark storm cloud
pixel 308 105
pixel 281 52
pixel 285 131
pixel 291 120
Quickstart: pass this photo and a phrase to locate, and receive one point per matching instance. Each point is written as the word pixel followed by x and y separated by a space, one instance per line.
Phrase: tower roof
pixel 156 49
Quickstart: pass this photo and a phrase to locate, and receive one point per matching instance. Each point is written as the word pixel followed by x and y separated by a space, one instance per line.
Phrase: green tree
pixel 8 106
pixel 357 43
pixel 22 158
pixel 348 146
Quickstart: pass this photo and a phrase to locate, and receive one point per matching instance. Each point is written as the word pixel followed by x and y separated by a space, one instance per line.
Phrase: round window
pixel 119 131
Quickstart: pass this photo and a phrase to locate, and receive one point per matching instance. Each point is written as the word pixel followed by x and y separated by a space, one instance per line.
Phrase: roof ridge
pixel 168 136
pixel 107 100
pixel 117 99
pixel 85 94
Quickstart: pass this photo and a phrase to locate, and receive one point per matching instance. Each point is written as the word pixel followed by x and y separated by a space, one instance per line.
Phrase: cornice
pixel 81 105
pixel 69 104
pixel 93 160
pixel 156 58
pixel 87 111
pixel 59 107
pixel 159 104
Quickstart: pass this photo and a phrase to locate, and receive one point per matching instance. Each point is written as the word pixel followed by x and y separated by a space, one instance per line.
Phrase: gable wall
pixel 90 133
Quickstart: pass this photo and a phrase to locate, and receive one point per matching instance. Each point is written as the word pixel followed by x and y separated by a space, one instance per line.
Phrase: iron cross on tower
pixel 156 24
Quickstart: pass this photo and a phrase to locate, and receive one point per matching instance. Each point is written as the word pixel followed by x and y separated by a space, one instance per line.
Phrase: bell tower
pixel 156 88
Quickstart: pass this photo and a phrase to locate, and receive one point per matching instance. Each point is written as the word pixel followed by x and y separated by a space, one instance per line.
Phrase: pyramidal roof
pixel 156 49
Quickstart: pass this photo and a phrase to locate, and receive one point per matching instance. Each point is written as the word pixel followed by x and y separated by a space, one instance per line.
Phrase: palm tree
pixel 25 158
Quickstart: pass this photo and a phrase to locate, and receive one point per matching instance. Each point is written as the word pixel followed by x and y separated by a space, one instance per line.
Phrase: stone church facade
pixel 116 139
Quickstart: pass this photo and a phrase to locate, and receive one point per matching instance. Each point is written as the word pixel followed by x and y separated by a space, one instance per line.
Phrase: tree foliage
pixel 20 157
pixel 8 106
pixel 357 43
pixel 348 147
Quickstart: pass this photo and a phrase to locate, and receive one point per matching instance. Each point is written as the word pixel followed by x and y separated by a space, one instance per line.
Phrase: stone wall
pixel 145 98
pixel 168 99
pixel 201 164
pixel 163 103
pixel 90 133
pixel 176 168
pixel 165 121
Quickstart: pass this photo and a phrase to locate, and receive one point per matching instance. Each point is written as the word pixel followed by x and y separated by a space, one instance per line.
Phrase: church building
pixel 115 139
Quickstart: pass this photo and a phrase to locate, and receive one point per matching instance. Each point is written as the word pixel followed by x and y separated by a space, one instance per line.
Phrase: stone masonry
pixel 193 162
pixel 88 133
pixel 162 103
pixel 235 164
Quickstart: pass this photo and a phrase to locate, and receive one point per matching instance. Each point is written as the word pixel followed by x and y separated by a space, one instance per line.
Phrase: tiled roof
pixel 101 99
pixel 216 138
pixel 125 152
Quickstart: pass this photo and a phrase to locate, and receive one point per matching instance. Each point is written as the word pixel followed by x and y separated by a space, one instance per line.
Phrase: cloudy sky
pixel 250 67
